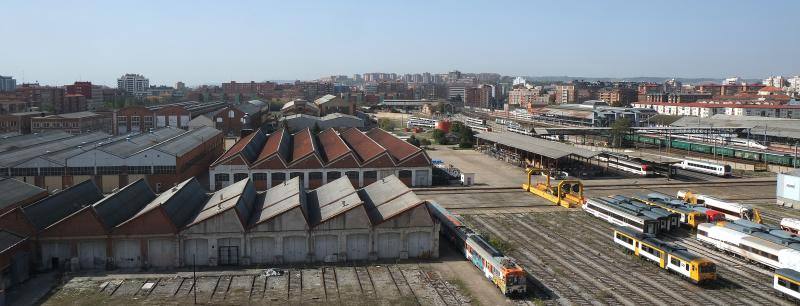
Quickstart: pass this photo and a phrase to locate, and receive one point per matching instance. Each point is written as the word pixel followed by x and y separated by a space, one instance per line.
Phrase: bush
pixel 414 141
pixel 439 137
pixel 425 142
pixel 386 124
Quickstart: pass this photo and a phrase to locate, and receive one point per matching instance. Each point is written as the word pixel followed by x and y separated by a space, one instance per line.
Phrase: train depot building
pixel 362 157
pixel 164 156
pixel 541 153
pixel 132 228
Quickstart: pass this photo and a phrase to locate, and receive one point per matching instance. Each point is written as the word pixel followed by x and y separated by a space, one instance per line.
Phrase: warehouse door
pixel 325 248
pixel 422 178
pixel 295 249
pixel 389 245
pixel 92 254
pixel 55 254
pixel 357 247
pixel 419 244
pixel 195 251
pixel 228 249
pixel 127 253
pixel 262 250
pixel 161 253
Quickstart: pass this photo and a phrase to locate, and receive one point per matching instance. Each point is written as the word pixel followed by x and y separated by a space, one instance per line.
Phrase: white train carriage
pixel 474 121
pixel 611 214
pixel 731 210
pixel 705 167
pixel 420 122
pixel 791 225
pixel 519 130
pixel 626 164
pixel 787 282
pixel 752 248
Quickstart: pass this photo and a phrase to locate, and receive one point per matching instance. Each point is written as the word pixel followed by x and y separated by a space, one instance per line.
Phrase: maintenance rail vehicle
pixel 732 210
pixel 690 215
pixel 667 256
pixel 501 270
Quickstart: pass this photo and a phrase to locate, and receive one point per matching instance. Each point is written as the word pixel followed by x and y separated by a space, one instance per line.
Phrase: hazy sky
pixel 58 42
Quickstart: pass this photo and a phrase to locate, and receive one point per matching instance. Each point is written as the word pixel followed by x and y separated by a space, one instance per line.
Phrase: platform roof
pixel 544 147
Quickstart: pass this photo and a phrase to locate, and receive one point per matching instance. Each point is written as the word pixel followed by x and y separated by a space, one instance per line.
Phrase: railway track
pixel 589 186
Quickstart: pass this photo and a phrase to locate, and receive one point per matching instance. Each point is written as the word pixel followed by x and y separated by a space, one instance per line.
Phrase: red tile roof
pixel 273 143
pixel 397 148
pixel 332 145
pixel 303 144
pixel 236 148
pixel 770 89
pixel 722 105
pixel 365 147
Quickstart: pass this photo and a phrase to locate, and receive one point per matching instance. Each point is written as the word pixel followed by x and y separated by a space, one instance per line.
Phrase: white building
pixel 775 81
pixel 135 84
pixel 731 81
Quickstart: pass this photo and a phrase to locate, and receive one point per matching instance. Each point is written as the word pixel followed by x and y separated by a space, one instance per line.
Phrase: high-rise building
pixel 135 84
pixel 427 78
pixel 7 83
pixel 180 86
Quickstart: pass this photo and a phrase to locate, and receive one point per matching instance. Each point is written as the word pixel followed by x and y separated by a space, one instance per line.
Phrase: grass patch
pixel 464 291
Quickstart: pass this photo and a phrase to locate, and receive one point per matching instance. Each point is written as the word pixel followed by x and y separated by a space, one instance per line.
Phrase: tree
pixel 414 141
pixel 439 136
pixel 425 142
pixel 465 137
pixel 316 130
pixel 386 124
pixel 619 129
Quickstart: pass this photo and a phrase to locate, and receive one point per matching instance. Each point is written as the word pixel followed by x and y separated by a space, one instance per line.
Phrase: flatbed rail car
pixel 787 282
pixel 626 164
pixel 791 225
pixel 667 256
pixel 501 270
pixel 731 210
pixel 598 207
pixel 752 248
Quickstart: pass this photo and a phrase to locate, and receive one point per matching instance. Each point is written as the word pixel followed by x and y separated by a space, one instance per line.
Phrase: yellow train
pixel 667 256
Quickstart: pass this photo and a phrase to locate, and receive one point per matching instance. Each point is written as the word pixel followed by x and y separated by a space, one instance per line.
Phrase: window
pixel 138 169
pixel 371 175
pixel 332 175
pixel 278 177
pixel 783 283
pixel 674 261
pixel 239 176
pixel 164 170
pixel 51 171
pixel 260 176
pixel 24 171
pixel 221 177
pixel 352 175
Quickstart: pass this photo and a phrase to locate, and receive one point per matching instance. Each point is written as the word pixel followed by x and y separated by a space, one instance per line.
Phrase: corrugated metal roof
pixel 123 204
pixel 15 191
pixel 387 198
pixel 184 143
pixel 279 199
pixel 180 203
pixel 9 239
pixel 239 195
pixel 23 141
pixel 331 199
pixel 62 204
pixel 137 143
pixel 551 149
pixel 15 157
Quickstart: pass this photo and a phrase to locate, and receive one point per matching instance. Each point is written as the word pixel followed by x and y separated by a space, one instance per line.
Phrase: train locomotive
pixel 501 270
pixel 667 256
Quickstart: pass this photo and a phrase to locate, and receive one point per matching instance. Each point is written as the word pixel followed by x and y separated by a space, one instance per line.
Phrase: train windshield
pixel 708 268
pixel 727 168
pixel 513 279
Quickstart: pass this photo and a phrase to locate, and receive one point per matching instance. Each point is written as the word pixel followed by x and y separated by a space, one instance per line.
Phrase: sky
pixel 207 42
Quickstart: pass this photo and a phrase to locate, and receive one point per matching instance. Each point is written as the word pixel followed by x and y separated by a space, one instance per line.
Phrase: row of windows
pixel 281 176
pixel 627 239
pixel 696 165
pixel 614 215
pixel 759 252
pixel 650 250
pixel 57 171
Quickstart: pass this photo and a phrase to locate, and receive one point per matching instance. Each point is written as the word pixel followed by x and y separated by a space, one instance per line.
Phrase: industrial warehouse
pixel 362 157
pixel 56 161
pixel 80 229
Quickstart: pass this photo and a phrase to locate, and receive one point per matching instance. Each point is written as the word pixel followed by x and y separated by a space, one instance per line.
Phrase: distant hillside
pixel 633 79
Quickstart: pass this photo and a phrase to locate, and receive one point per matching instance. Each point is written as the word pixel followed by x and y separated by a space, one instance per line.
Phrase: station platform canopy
pixel 543 147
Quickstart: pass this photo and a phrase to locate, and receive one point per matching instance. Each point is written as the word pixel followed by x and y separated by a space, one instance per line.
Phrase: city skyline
pixel 207 43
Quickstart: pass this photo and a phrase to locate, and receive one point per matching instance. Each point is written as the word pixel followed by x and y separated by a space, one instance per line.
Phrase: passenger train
pixel 791 225
pixel 705 167
pixel 667 256
pixel 518 129
pixel 626 164
pixel 731 210
pixel 420 122
pixel 501 270
pixel 612 214
pixel 690 215
pixel 724 140
pixel 748 246
pixel 787 282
